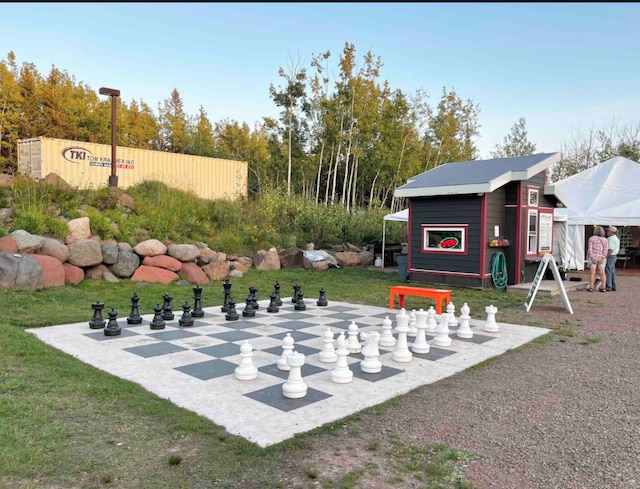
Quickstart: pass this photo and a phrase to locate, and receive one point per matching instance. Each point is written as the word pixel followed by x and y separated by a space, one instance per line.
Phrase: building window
pixel 444 239
pixel 532 197
pixel 532 232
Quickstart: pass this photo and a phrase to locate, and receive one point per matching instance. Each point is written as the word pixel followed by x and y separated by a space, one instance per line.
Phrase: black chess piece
pixel 197 302
pixel 134 317
pixel 167 308
pixel 273 304
pixel 322 300
pixel 249 310
pixel 232 314
pixel 296 293
pixel 276 289
pixel 112 328
pixel 186 320
pixel 157 322
pixel 227 295
pixel 253 294
pixel 300 305
pixel 98 321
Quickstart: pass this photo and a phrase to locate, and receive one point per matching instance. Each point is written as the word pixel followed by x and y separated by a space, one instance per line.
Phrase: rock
pixel 6 181
pixel 20 272
pixel 53 247
pixel 236 274
pixel 348 259
pixel 109 253
pixel 96 272
pixel 126 264
pixel 6 214
pixel 123 198
pixel 110 277
pixel 267 260
pixel 240 266
pixel 329 257
pixel 163 261
pixel 72 275
pixel 53 270
pixel 150 247
pixel 27 242
pixel 146 273
pixel 366 258
pixel 194 274
pixel 85 253
pixel 56 180
pixel 8 244
pixel 206 255
pixel 79 228
pixel 183 252
pixel 320 265
pixel 217 270
pixel 291 258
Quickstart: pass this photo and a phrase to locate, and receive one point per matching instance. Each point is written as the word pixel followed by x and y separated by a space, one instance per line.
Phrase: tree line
pixel 348 139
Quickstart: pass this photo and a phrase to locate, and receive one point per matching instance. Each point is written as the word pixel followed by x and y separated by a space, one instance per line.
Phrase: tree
pixel 10 101
pixel 515 143
pixel 174 124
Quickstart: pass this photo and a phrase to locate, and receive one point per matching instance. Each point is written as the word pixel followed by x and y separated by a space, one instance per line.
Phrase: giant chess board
pixel 194 366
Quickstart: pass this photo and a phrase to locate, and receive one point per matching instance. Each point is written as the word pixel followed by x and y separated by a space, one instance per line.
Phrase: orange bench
pixel 403 290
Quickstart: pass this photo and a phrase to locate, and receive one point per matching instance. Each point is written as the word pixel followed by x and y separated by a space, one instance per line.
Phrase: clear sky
pixel 566 68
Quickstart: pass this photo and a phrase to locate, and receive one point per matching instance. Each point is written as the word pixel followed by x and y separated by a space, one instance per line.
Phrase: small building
pixel 473 222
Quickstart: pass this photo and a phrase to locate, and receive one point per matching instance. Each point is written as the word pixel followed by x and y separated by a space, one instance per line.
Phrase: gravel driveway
pixel 560 414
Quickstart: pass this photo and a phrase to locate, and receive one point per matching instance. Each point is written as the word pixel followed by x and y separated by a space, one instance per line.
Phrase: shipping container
pixel 88 165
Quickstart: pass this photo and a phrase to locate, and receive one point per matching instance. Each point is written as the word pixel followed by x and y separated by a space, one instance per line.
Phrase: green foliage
pixel 100 224
pixel 36 221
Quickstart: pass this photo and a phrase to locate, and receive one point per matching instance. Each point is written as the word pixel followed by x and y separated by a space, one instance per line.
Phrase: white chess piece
pixel 420 344
pixel 295 387
pixel 386 338
pixel 353 344
pixel 412 331
pixel 464 331
pixel 451 315
pixel 491 326
pixel 371 364
pixel 341 373
pixel 431 320
pixel 246 370
pixel 287 347
pixel 328 353
pixel 442 332
pixel 401 352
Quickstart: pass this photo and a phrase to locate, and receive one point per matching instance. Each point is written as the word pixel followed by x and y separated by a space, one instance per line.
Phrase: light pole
pixel 113 93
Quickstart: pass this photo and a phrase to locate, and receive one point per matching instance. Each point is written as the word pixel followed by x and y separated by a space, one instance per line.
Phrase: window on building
pixel 532 232
pixel 444 239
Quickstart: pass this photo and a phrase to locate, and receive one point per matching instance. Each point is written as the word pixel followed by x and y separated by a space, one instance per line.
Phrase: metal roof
pixel 476 176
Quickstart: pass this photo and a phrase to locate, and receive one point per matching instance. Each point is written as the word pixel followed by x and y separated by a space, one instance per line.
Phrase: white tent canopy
pixel 606 194
pixel 402 216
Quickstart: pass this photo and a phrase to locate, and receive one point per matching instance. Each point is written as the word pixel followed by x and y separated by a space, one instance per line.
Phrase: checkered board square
pixel 194 366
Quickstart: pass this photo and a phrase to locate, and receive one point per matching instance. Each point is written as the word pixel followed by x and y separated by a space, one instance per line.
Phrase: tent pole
pixel 384 228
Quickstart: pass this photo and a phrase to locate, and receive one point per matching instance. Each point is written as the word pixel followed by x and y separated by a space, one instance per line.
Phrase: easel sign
pixel 547 260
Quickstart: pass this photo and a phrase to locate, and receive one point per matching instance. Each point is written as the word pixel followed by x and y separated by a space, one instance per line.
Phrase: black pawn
pixel 276 289
pixel 253 294
pixel 232 315
pixel 197 302
pixel 134 317
pixel 273 305
pixel 322 300
pixel 157 322
pixel 300 305
pixel 296 293
pixel 112 328
pixel 167 308
pixel 186 319
pixel 227 295
pixel 249 310
pixel 97 322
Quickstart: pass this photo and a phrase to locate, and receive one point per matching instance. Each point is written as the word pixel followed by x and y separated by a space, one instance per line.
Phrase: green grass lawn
pixel 65 424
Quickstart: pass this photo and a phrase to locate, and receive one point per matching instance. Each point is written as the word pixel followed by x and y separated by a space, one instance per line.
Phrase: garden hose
pixel 499 271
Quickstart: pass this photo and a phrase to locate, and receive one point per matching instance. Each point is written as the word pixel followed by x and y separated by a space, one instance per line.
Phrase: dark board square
pixel 296 335
pixel 210 369
pixel 307 350
pixel 272 396
pixel 293 325
pixel 306 370
pixel 100 336
pixel 338 308
pixel 385 373
pixel 221 350
pixel 239 324
pixel 234 335
pixel 296 315
pixel 176 334
pixel 345 316
pixel 478 339
pixel 154 350
pixel 434 354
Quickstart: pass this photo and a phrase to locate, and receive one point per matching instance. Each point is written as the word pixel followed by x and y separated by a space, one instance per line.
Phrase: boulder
pixel 158 275
pixel 126 264
pixel 20 272
pixel 183 252
pixel 53 247
pixel 267 260
pixel 291 258
pixel 150 247
pixel 72 275
pixel 194 274
pixel 27 242
pixel 163 261
pixel 216 270
pixel 79 228
pixel 85 253
pixel 96 272
pixel 53 270
pixel 8 244
pixel 348 259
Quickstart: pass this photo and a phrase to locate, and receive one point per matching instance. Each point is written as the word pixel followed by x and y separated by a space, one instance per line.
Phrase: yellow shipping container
pixel 88 165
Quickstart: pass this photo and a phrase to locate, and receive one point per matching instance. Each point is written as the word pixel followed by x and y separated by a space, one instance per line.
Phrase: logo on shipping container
pixel 76 154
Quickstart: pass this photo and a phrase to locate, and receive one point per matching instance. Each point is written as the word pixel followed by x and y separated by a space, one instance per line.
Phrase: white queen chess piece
pixel 341 373
pixel 464 331
pixel 420 344
pixel 371 364
pixel 295 387
pixel 401 352
pixel 491 326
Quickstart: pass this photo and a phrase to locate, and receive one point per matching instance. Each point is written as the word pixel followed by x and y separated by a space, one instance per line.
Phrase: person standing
pixel 597 255
pixel 613 245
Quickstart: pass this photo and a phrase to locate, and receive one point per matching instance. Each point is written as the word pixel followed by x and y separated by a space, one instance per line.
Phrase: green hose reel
pixel 499 271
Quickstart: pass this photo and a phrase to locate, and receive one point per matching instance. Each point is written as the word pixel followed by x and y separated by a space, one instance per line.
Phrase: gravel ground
pixel 561 414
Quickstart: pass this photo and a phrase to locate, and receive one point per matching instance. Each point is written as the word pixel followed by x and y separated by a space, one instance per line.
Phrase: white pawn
pixel 287 347
pixel 246 370
pixel 328 353
pixel 371 364
pixel 464 331
pixel 341 373
pixel 491 326
pixel 353 345
pixel 401 352
pixel 442 332
pixel 431 320
pixel 294 387
pixel 412 324
pixel 451 315
pixel 386 338
pixel 420 344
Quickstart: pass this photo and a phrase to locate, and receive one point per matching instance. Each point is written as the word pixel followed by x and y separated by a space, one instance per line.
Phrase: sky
pixel 567 68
